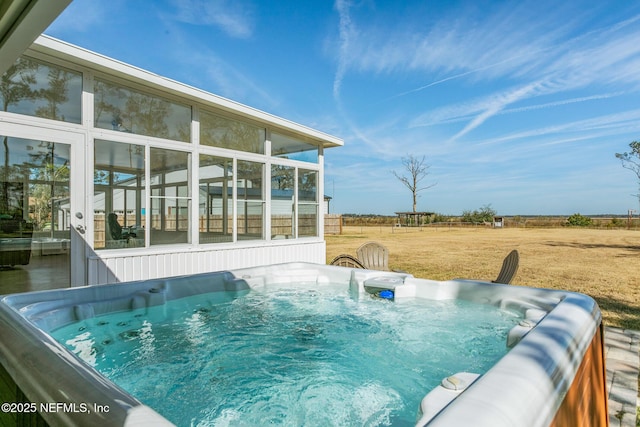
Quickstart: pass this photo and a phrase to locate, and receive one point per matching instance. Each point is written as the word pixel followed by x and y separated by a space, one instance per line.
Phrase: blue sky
pixel 520 105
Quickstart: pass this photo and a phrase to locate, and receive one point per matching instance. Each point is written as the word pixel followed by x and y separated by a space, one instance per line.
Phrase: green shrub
pixel 617 223
pixel 438 218
pixel 578 220
pixel 484 214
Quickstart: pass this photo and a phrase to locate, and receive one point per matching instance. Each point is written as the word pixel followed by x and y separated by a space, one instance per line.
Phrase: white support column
pixel 267 187
pixel 194 184
pixel 320 190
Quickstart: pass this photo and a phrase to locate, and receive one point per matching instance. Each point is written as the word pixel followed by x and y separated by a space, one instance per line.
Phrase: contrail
pixel 345 29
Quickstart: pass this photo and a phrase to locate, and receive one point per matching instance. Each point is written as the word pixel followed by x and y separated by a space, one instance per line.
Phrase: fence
pixel 333 224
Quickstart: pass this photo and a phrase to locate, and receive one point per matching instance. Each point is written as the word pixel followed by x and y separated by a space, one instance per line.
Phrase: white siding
pixel 122 267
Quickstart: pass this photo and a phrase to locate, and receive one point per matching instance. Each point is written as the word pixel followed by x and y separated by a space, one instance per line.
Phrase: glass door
pixel 41 227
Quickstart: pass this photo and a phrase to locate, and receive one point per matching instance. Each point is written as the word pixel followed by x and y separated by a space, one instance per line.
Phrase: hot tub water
pixel 290 354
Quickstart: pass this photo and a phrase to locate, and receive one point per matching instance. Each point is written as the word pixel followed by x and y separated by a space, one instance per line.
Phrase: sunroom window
pixel 170 196
pixel 119 195
pixel 291 148
pixel 307 203
pixel 282 202
pixel 216 199
pixel 35 88
pixel 126 110
pixel 251 200
pixel 224 132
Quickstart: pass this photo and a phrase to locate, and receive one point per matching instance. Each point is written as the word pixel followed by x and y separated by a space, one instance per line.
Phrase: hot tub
pixel 553 373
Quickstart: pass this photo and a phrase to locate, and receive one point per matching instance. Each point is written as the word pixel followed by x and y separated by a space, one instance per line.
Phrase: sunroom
pixel 111 173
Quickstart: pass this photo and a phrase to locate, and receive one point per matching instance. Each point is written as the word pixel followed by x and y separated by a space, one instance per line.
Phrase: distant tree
pixel 417 170
pixel 631 160
pixel 484 214
pixel 578 220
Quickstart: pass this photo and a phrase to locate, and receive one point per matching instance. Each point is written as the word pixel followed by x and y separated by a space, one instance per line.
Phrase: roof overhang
pixel 21 22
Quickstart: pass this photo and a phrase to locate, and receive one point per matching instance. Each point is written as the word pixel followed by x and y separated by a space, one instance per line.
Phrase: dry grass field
pixel 601 263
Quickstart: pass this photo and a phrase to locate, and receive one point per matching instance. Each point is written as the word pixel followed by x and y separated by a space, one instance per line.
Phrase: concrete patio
pixel 622 360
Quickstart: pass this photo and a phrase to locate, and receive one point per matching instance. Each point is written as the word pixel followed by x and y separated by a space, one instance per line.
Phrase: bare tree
pixel 417 170
pixel 631 160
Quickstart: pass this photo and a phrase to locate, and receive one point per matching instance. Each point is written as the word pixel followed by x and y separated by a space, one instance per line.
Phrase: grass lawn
pixel 603 264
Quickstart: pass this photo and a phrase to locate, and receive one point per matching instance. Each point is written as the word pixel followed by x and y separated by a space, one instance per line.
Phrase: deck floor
pixel 42 273
pixel 622 347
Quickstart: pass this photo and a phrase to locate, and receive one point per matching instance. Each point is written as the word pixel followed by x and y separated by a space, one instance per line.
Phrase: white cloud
pixel 498 104
pixel 208 70
pixel 233 17
pixel 500 42
pixel 346 32
pixel 562 102
pixel 479 110
pixel 537 47
pixel 594 128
